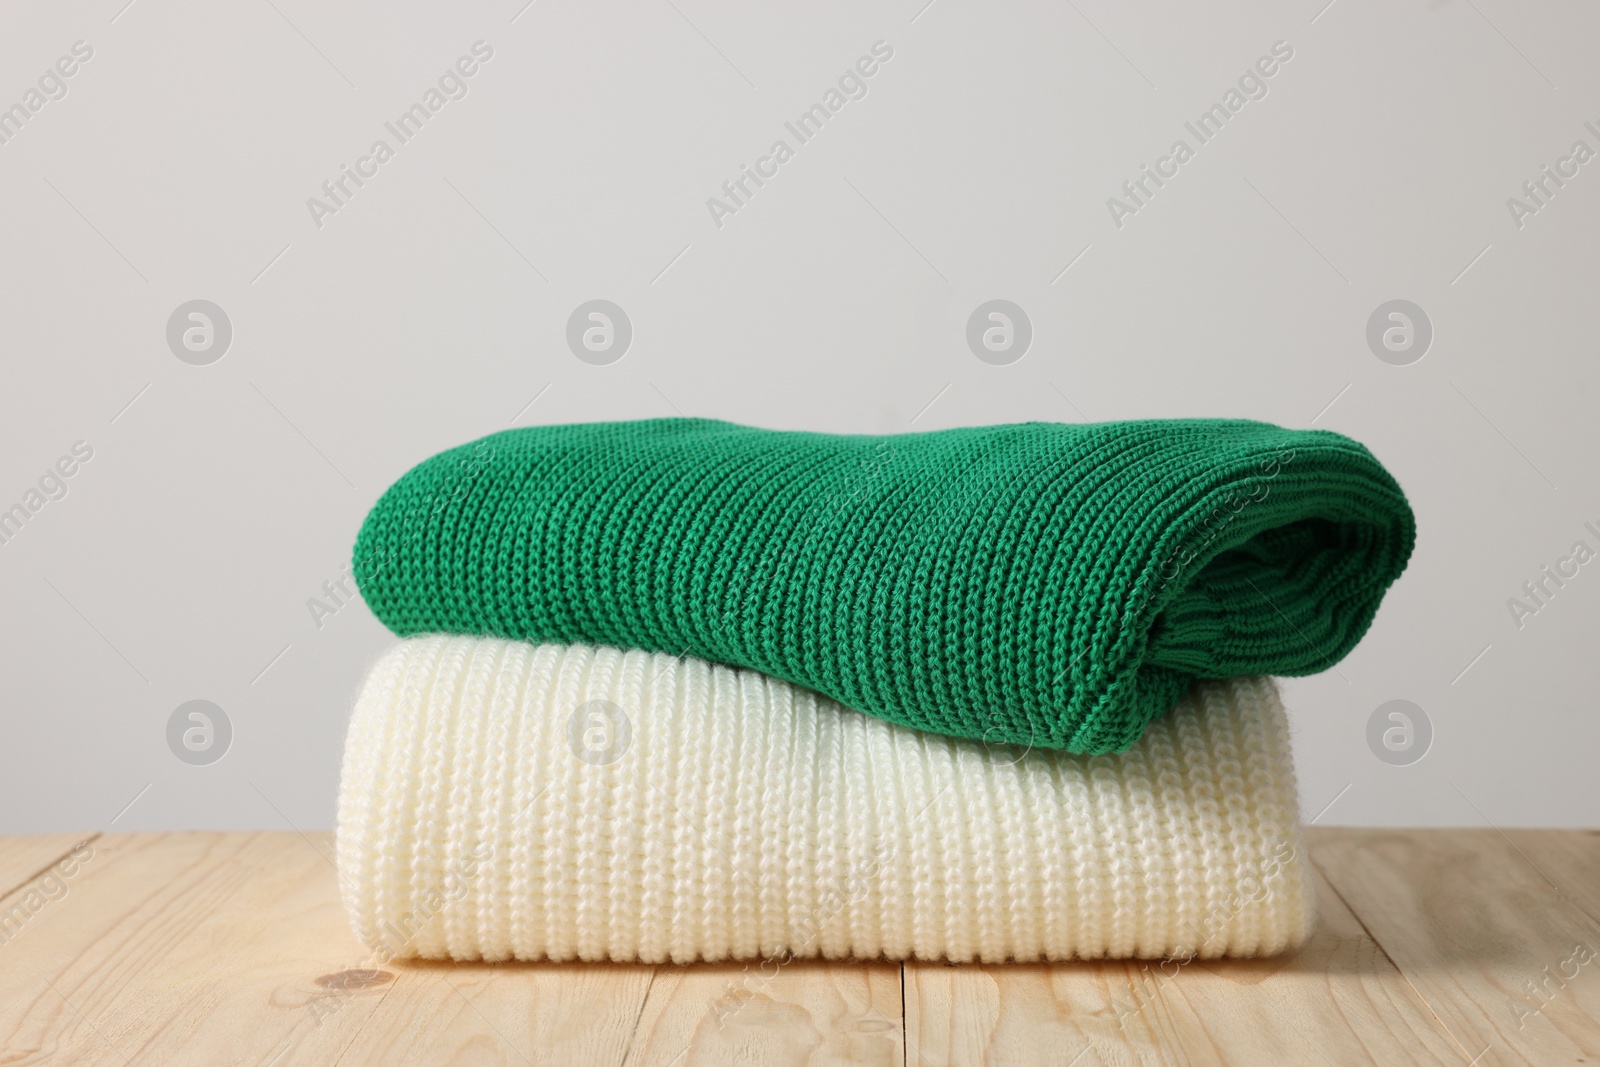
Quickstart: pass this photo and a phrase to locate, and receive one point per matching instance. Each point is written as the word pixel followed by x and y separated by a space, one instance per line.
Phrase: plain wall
pixel 431 308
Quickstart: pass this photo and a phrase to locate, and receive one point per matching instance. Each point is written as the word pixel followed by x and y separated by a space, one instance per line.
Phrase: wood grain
pixel 1434 947
pixel 1338 999
pixel 1493 945
pixel 174 948
pixel 802 1012
pixel 22 859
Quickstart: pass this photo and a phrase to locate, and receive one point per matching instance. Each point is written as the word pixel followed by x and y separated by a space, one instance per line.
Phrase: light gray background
pixel 432 310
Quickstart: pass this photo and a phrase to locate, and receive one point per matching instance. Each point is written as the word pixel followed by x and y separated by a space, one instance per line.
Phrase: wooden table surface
pixel 1434 946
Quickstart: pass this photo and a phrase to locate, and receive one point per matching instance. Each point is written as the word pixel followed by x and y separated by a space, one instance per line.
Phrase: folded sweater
pixel 1044 584
pixel 504 800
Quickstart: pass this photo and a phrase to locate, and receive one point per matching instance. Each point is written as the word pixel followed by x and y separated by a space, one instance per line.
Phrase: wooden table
pixel 1435 946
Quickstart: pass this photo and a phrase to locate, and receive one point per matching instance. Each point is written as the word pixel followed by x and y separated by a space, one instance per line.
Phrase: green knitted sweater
pixel 1044 584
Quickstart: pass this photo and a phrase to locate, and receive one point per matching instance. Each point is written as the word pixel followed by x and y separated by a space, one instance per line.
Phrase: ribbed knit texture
pixel 503 800
pixel 1044 584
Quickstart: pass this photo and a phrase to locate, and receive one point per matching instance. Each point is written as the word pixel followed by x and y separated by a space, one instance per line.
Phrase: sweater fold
pixel 502 800
pixel 1041 584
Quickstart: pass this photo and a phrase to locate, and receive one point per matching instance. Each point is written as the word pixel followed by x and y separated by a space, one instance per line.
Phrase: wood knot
pixel 354 979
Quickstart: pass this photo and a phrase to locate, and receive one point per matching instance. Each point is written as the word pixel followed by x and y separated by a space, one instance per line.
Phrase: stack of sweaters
pixel 682 690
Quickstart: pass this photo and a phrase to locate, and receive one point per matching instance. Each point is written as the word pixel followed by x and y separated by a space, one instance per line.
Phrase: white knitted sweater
pixel 503 800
